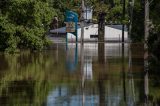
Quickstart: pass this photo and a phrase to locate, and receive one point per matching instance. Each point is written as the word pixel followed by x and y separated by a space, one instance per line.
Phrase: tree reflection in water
pixel 102 71
pixel 42 78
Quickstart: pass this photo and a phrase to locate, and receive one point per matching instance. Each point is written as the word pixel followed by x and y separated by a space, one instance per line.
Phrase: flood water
pixel 78 75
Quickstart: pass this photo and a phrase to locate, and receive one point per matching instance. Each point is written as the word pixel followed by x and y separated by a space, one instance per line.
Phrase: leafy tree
pixel 137 34
pixel 23 24
pixel 154 38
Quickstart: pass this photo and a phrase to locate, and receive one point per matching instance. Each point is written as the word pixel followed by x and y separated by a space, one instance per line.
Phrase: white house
pixel 112 33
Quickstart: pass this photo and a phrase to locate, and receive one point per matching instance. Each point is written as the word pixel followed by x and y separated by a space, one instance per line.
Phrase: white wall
pixel 110 33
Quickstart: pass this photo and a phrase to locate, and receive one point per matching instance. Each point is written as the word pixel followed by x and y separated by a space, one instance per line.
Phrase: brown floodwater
pixel 91 74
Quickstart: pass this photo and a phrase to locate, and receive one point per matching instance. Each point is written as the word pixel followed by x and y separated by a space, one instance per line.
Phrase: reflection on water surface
pixel 88 75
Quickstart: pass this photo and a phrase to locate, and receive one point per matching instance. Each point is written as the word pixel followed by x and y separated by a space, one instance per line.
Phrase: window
pixel 93 36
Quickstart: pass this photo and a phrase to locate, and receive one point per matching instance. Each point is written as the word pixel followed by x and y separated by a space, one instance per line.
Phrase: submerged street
pixel 91 74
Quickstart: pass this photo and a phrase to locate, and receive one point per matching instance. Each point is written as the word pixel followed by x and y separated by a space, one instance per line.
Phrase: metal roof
pixel 63 29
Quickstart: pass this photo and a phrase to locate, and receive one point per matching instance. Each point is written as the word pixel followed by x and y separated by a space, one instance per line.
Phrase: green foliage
pixel 137 34
pixel 154 38
pixel 23 24
pixel 8 41
pixel 154 12
pixel 115 14
pixel 112 8
pixel 154 48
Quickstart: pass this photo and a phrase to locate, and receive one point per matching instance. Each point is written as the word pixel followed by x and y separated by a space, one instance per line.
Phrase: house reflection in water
pixel 92 86
pixel 87 70
pixel 42 78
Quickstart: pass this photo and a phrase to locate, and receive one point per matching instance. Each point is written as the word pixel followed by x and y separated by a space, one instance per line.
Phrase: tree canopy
pixel 23 24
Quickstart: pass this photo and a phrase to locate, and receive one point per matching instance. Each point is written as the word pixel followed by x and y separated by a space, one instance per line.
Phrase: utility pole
pixel 131 6
pixel 123 18
pixel 146 35
pixel 123 69
pixel 146 20
pixel 82 51
pixel 82 21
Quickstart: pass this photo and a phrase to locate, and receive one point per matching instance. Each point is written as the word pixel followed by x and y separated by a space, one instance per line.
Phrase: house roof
pixel 63 29
pixel 118 27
